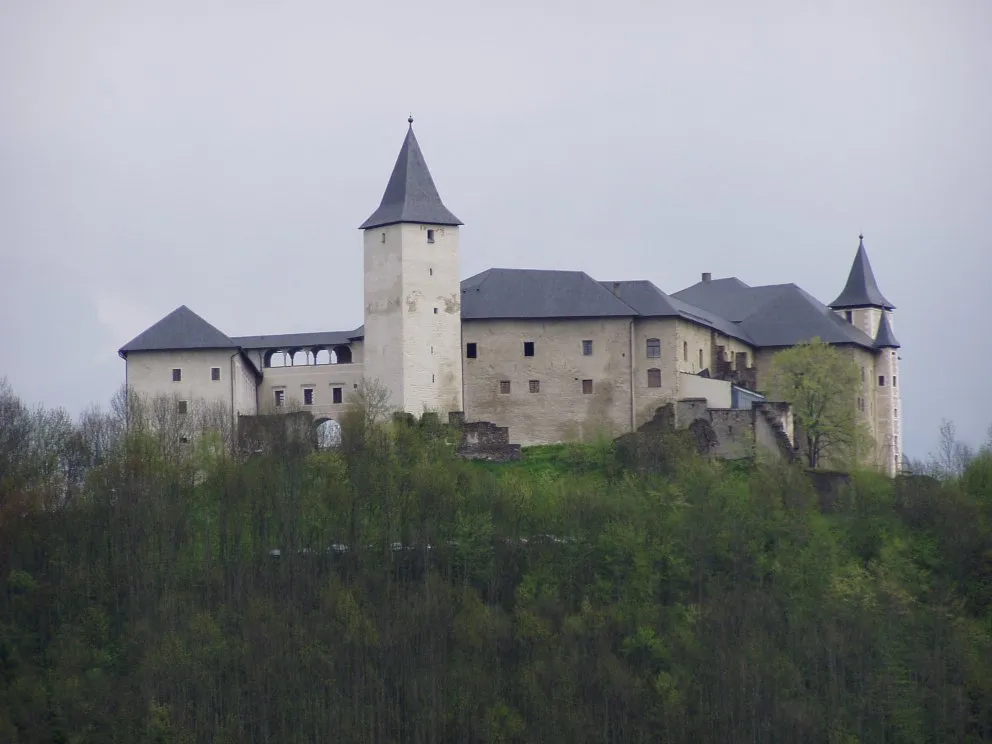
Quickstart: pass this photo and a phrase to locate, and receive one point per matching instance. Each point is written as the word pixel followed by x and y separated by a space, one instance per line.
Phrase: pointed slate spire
pixel 885 338
pixel 410 195
pixel 861 289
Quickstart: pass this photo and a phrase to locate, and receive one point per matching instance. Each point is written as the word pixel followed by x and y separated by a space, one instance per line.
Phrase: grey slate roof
pixel 885 338
pixel 650 302
pixel 296 340
pixel 535 294
pixel 410 194
pixel 774 315
pixel 180 329
pixel 861 289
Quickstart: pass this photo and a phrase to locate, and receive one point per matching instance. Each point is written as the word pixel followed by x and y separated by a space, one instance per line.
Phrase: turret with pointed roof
pixel 412 338
pixel 861 289
pixel 885 338
pixel 410 194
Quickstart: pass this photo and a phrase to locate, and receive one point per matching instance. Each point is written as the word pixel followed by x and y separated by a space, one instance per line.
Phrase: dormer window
pixel 430 236
pixel 849 314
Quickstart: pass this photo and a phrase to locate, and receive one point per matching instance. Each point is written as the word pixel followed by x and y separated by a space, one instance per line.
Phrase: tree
pixel 820 381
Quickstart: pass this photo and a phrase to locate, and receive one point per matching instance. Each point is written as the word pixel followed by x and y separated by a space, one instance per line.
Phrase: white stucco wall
pixel 716 392
pixel 559 411
pixel 149 374
pixel 322 378
pixel 413 316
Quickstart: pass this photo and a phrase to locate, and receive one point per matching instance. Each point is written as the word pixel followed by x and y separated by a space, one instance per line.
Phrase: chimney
pixel 707 276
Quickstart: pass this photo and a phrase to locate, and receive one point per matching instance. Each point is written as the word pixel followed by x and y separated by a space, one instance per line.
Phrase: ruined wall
pixel 558 409
pixel 739 433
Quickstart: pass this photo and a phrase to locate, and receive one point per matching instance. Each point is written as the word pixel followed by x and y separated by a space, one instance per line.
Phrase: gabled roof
pixel 410 194
pixel 774 315
pixel 535 294
pixel 861 289
pixel 885 338
pixel 180 329
pixel 296 340
pixel 650 302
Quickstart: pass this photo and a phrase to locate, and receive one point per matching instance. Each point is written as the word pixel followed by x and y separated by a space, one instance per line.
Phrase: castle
pixel 549 355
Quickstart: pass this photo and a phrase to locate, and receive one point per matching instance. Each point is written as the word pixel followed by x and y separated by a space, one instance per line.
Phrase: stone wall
pixel 484 440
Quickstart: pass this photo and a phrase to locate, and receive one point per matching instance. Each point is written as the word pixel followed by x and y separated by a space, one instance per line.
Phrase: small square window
pixel 336 394
pixel 308 396
pixel 587 348
pixel 177 374
pixel 215 373
pixel 430 236
pixel 534 386
pixel 587 387
pixel 504 387
pixel 528 348
pixel 881 380
pixel 182 407
pixel 471 350
pixel 435 311
pixel 280 397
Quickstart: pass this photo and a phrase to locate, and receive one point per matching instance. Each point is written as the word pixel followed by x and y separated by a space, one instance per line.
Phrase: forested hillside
pixel 155 591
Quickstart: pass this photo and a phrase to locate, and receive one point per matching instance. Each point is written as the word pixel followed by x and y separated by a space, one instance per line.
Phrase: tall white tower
pixel 413 291
pixel 863 304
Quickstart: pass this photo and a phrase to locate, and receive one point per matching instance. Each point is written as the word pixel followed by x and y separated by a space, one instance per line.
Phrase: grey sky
pixel 222 154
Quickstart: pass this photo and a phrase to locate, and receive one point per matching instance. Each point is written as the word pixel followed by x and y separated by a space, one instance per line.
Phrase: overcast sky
pixel 222 154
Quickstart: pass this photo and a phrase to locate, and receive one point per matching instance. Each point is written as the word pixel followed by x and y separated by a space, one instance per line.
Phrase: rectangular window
pixel 471 350
pixel 685 351
pixel 654 378
pixel 587 348
pixel 182 407
pixel 881 380
pixel 893 380
pixel 895 413
pixel 435 311
pixel 862 374
pixel 308 396
pixel 528 348
pixel 504 387
pixel 849 315
pixel 534 386
pixel 336 394
pixel 215 373
pixel 279 396
pixel 654 348
pixel 177 374
pixel 587 387
pixel 430 236
pixel 700 358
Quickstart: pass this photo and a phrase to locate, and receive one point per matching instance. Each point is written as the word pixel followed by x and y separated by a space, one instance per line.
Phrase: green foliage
pixel 821 383
pixel 573 596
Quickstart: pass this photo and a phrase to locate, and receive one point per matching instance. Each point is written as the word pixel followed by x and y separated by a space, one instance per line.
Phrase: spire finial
pixel 861 237
pixel 409 120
